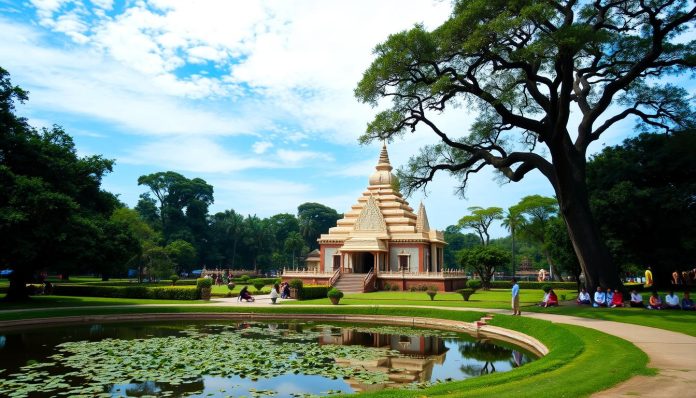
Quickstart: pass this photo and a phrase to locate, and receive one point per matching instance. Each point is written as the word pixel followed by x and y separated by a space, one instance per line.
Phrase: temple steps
pixel 350 283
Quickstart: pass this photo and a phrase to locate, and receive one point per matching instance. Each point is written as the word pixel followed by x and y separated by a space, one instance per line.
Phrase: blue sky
pixel 255 97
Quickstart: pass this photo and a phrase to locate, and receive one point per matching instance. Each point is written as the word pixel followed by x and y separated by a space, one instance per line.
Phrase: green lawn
pixel 677 321
pixel 494 298
pixel 223 290
pixel 48 302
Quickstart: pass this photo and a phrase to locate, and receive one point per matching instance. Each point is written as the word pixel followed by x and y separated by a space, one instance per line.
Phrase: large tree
pixel 315 219
pixel 643 193
pixel 540 210
pixel 53 213
pixel 523 67
pixel 484 260
pixel 480 221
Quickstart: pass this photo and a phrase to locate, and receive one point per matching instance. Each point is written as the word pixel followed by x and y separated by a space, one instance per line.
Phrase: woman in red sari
pixel 617 300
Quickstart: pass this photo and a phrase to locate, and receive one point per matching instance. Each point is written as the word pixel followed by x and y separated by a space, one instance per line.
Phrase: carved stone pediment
pixel 370 218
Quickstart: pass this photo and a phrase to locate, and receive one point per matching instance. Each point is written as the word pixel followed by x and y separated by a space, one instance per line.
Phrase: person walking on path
pixel 515 298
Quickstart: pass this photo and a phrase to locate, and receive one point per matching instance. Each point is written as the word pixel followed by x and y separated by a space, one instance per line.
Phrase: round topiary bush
pixel 231 286
pixel 204 286
pixel 334 295
pixel 473 284
pixel 432 292
pixel 296 284
pixel 174 278
pixel 258 285
pixel 466 293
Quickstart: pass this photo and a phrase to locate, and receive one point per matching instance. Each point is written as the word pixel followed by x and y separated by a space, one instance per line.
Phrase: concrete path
pixel 672 354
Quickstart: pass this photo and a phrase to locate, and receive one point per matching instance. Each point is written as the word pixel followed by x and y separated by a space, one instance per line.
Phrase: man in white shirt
pixel 636 299
pixel 672 301
pixel 600 299
pixel 584 297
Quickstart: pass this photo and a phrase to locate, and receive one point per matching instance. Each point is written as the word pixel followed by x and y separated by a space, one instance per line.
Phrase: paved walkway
pixel 672 354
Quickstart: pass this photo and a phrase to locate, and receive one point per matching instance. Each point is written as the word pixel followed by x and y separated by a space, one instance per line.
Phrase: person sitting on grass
pixel 609 297
pixel 552 300
pixel 687 303
pixel 636 299
pixel 672 301
pixel 584 297
pixel 600 299
pixel 617 299
pixel 245 295
pixel 655 303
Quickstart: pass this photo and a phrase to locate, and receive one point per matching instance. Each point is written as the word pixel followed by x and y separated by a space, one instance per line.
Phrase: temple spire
pixel 383 162
pixel 422 224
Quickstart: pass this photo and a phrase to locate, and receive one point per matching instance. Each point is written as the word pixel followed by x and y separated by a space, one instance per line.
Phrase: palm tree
pixel 512 220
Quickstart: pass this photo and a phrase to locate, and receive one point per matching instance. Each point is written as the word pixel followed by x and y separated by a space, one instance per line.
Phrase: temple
pixel 380 244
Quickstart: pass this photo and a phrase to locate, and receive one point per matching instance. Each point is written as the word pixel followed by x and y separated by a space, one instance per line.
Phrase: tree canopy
pixel 523 67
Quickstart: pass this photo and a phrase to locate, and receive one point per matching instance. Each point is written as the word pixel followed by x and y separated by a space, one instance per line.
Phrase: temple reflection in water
pixel 419 354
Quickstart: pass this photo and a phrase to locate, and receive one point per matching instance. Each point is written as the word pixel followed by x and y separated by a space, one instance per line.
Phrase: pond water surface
pixel 224 359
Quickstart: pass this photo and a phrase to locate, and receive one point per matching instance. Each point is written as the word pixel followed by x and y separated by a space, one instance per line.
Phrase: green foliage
pixel 466 293
pixel 174 278
pixel 258 285
pixel 473 284
pixel 136 292
pixel 204 283
pixel 432 292
pixel 334 293
pixel 230 286
pixel 315 219
pixel 456 241
pixel 53 212
pixel 309 292
pixel 480 220
pixel 182 253
pixel 642 193
pixel 546 287
pixel 244 278
pixel 484 260
pixel 296 283
pixel 535 285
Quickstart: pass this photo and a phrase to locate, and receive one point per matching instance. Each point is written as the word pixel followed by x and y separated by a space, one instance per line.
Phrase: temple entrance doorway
pixel 362 262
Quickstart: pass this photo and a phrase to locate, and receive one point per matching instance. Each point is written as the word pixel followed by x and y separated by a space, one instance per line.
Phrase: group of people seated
pixel 614 299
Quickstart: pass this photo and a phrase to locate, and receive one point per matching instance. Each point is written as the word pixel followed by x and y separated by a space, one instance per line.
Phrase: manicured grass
pixel 674 320
pixel 48 302
pixel 222 290
pixel 494 298
pixel 570 369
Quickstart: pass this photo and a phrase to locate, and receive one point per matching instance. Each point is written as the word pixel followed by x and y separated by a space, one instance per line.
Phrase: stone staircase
pixel 350 283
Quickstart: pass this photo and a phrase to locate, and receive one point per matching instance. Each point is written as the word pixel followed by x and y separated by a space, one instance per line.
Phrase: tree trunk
pixel 571 190
pixel 554 271
pixel 17 291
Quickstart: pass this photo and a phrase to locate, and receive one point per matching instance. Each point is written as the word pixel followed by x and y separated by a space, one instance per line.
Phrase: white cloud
pixel 261 147
pixel 290 157
pixel 193 154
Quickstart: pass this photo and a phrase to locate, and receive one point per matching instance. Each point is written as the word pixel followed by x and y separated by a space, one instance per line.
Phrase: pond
pixel 234 358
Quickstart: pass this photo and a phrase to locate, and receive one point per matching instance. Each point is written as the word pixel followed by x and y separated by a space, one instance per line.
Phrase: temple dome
pixel 383 174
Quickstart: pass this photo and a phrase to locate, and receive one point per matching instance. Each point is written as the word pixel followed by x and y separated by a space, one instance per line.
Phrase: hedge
pixel 265 281
pixel 309 292
pixel 534 285
pixel 139 292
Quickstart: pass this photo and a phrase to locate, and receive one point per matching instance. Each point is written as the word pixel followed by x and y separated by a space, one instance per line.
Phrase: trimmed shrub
pixel 466 293
pixel 535 285
pixel 432 292
pixel 231 286
pixel 473 284
pixel 334 293
pixel 258 285
pixel 137 292
pixel 387 286
pixel 313 292
pixel 244 278
pixel 265 281
pixel 174 279
pixel 202 283
pixel 395 288
pixel 296 284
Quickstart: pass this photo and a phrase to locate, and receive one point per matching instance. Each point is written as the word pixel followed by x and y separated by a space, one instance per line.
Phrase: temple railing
pixel 369 279
pixel 334 278
pixel 307 272
pixel 447 273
